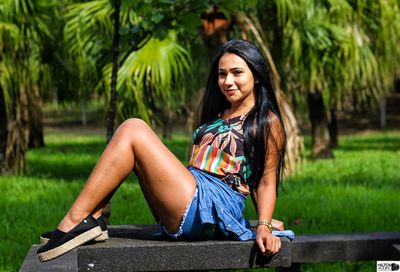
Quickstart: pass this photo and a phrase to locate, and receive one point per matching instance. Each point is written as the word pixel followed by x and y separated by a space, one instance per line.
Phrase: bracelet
pixel 265 223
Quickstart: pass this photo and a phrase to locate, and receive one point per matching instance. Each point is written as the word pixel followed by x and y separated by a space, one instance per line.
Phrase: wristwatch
pixel 265 223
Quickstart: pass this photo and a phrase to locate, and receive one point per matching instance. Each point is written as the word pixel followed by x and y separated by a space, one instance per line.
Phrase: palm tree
pixel 330 55
pixel 368 56
pixel 4 126
pixel 308 37
pixel 23 27
pixel 151 67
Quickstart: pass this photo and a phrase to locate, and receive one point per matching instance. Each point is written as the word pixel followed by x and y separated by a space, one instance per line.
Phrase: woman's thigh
pixel 166 183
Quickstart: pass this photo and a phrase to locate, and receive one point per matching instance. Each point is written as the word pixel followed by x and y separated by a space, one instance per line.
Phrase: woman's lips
pixel 230 91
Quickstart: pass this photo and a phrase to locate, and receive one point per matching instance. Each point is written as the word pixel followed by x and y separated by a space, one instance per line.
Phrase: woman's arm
pixel 276 224
pixel 265 194
pixel 266 197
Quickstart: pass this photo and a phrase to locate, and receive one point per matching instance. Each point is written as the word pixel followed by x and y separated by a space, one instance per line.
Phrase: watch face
pixel 265 223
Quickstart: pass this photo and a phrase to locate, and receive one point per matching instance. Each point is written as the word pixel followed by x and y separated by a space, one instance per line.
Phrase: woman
pixel 237 150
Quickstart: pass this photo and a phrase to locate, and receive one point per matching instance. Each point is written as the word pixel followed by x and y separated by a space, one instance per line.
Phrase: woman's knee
pixel 135 129
pixel 133 123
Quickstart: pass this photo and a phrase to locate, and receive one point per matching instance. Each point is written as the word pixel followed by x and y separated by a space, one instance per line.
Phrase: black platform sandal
pixel 45 237
pixel 61 242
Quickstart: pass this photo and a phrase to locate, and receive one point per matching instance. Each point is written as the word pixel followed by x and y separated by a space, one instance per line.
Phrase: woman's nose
pixel 229 80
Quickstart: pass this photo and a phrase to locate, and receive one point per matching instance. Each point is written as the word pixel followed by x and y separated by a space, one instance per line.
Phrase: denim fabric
pixel 214 212
pixel 284 233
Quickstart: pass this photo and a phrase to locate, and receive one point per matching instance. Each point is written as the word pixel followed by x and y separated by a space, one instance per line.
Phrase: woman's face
pixel 236 80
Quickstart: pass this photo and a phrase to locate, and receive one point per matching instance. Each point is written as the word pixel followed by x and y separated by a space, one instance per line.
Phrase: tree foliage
pixel 153 63
pixel 24 73
pixel 344 49
pixel 336 50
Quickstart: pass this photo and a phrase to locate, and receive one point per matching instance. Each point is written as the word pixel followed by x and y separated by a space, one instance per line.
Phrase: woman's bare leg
pixel 167 184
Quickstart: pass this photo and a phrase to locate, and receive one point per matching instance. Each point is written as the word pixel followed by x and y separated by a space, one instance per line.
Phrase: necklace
pixel 232 115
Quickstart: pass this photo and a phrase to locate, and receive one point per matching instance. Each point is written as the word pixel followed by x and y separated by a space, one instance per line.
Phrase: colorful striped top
pixel 218 148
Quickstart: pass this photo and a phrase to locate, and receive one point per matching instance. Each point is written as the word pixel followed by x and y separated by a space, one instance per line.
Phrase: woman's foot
pixel 61 242
pixel 45 237
pixel 104 230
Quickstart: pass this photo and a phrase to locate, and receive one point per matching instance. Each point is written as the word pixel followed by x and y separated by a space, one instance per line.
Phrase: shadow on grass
pixel 390 143
pixel 89 148
pixel 60 170
pixel 347 178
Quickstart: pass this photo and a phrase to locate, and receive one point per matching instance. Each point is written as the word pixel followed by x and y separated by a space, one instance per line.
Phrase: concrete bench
pixel 371 246
pixel 131 248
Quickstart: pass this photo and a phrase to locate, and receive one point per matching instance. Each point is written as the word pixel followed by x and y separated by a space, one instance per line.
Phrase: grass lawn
pixel 358 191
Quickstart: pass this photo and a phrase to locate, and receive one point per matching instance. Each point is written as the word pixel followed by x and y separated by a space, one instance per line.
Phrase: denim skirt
pixel 215 212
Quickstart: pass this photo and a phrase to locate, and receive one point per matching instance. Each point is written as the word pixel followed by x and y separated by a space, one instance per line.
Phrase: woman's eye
pixel 236 73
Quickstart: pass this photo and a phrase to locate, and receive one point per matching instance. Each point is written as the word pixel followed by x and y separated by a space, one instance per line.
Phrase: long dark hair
pixel 257 125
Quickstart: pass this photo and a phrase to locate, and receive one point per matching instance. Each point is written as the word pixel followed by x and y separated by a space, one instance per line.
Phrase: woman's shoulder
pixel 272 116
pixel 273 121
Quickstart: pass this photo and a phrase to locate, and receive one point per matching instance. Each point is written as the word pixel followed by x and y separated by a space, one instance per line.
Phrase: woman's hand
pixel 269 244
pixel 277 225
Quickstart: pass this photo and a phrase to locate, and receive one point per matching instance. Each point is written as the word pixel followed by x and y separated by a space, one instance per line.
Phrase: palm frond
pixel 84 23
pixel 156 71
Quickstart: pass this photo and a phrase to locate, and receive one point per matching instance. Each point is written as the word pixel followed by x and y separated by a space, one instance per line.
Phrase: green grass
pixel 359 183
pixel 358 191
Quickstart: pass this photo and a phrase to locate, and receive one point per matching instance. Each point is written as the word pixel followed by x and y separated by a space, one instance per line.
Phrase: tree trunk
pixel 36 138
pixel 16 147
pixel 114 75
pixel 3 129
pixel 319 129
pixel 382 112
pixel 333 128
pixel 83 106
pixel 166 116
pixel 113 100
pixel 17 134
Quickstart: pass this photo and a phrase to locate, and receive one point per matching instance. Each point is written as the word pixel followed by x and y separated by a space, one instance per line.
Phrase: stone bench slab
pixel 345 247
pixel 65 263
pixel 133 248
